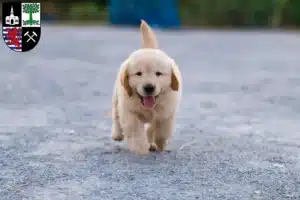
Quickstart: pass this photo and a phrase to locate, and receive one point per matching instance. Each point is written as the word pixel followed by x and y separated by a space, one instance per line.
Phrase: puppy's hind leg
pixel 116 126
pixel 163 131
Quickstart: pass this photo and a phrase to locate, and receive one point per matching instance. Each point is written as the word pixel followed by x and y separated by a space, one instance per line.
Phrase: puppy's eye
pixel 138 73
pixel 158 73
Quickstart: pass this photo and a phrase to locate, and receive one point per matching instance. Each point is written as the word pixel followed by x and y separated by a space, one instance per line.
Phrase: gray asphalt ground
pixel 237 134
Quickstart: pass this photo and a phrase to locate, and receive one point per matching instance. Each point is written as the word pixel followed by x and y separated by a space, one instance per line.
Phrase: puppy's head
pixel 149 72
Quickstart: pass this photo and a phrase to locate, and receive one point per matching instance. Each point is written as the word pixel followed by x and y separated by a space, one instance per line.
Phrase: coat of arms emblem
pixel 21 25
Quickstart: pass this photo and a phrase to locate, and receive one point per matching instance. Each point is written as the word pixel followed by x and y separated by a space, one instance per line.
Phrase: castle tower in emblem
pixel 12 19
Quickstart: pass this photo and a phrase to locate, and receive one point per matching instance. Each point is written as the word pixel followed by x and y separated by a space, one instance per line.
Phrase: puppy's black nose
pixel 149 89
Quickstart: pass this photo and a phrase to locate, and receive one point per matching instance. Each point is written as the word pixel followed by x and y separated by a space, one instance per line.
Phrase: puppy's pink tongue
pixel 148 101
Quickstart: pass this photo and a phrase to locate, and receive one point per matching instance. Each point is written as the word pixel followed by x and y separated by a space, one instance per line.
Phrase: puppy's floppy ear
pixel 125 81
pixel 174 81
pixel 175 76
pixel 148 36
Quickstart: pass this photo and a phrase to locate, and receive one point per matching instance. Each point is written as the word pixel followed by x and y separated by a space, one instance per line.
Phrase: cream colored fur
pixel 128 115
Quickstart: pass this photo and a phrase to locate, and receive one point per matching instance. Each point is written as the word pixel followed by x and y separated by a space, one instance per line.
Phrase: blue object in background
pixel 48 17
pixel 157 13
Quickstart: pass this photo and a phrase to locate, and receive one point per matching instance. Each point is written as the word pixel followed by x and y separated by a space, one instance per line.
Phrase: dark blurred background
pixel 178 13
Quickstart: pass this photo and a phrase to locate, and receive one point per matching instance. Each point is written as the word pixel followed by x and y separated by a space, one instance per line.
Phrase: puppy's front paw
pixel 161 144
pixel 138 146
pixel 142 152
pixel 117 136
pixel 153 147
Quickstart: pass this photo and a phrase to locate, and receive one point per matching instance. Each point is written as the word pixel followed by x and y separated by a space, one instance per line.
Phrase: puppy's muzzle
pixel 149 89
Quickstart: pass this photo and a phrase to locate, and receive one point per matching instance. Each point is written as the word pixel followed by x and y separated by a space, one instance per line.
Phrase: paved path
pixel 237 135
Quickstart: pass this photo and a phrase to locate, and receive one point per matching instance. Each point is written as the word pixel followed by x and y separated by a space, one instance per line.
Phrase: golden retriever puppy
pixel 147 92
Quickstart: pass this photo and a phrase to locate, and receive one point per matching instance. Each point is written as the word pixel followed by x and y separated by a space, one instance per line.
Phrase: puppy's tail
pixel 148 36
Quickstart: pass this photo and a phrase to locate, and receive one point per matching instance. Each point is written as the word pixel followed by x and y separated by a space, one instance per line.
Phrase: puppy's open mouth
pixel 148 101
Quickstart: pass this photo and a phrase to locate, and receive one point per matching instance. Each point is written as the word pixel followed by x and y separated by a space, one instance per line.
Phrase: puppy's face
pixel 148 77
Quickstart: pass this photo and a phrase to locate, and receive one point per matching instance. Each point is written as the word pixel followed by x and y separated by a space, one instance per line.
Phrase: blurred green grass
pixel 201 13
pixel 237 13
